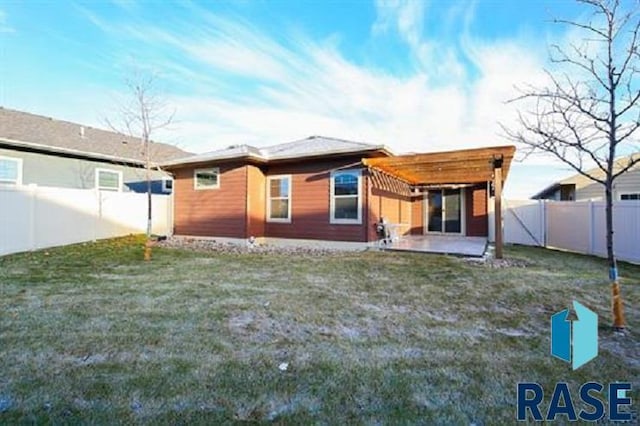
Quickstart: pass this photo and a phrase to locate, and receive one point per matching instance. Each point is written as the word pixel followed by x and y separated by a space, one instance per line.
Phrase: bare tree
pixel 141 116
pixel 590 111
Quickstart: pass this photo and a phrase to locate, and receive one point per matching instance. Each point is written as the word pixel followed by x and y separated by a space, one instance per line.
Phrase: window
pixel 635 196
pixel 279 198
pixel 110 180
pixel 206 178
pixel 11 170
pixel 167 184
pixel 346 197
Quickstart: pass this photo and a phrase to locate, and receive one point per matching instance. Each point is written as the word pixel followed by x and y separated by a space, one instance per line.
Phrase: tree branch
pixel 634 159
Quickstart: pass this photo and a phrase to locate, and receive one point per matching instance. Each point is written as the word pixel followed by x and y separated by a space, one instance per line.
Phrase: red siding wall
pixel 417 215
pixel 394 208
pixel 212 212
pixel 256 202
pixel 238 208
pixel 476 206
pixel 310 204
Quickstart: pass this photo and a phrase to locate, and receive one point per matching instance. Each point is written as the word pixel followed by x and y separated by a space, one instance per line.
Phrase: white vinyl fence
pixel 572 225
pixel 33 217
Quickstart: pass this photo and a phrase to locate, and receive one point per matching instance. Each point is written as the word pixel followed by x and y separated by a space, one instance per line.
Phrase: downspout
pixel 247 225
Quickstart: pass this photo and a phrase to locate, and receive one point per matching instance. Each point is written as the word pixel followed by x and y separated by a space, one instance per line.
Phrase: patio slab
pixel 443 244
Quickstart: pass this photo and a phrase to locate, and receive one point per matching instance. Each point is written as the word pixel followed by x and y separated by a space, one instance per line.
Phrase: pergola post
pixel 497 185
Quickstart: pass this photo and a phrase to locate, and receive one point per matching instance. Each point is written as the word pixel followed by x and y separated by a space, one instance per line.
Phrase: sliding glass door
pixel 444 211
pixel 434 211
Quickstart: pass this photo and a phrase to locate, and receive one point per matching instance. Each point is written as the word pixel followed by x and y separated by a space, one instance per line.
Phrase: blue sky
pixel 415 75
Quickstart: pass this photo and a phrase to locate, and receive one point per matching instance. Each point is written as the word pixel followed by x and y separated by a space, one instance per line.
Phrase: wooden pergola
pixel 467 166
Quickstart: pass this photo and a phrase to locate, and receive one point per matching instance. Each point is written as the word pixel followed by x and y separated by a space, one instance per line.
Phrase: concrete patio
pixel 443 244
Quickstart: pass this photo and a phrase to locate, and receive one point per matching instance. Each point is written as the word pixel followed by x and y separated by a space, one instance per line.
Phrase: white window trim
pixel 18 180
pixel 207 169
pixel 332 201
pixel 164 184
pixel 97 178
pixel 269 198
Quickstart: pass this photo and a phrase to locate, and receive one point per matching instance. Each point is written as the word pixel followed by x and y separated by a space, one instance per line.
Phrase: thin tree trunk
pixel 617 306
pixel 148 205
pixel 609 225
pixel 148 172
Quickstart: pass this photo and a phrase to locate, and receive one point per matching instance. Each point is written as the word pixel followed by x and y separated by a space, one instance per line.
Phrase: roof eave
pixel 69 151
pixel 545 191
pixel 201 159
pixel 265 159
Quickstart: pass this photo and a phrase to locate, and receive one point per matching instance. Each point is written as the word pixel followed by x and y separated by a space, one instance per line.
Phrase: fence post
pixel 543 221
pixel 33 198
pixel 591 226
pixel 98 213
pixel 170 218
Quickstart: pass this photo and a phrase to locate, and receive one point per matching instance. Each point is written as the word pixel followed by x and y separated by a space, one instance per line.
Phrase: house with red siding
pixel 329 189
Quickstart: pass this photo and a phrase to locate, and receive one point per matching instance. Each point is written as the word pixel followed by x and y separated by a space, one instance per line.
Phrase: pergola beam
pixel 462 166
pixel 439 178
pixel 484 154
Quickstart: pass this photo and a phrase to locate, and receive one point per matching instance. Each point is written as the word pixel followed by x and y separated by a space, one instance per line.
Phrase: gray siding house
pixel 580 188
pixel 48 152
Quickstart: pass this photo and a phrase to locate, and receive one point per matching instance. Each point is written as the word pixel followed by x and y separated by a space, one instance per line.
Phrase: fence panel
pixel 569 226
pixel 574 226
pixel 524 222
pixel 626 231
pixel 16 222
pixel 63 216
pixel 34 217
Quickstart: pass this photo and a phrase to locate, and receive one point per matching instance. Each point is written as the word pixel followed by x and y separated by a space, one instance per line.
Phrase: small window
pixel 206 178
pixel 167 184
pixel 633 196
pixel 346 197
pixel 11 170
pixel 109 180
pixel 279 199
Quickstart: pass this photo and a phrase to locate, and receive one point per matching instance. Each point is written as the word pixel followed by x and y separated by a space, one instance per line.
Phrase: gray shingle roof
pixel 22 128
pixel 313 146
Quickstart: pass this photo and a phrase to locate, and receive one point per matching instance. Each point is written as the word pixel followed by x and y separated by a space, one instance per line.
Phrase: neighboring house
pixel 49 152
pixel 319 189
pixel 580 188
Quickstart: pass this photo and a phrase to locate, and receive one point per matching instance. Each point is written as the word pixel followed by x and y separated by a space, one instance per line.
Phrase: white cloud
pixel 260 89
pixel 404 16
pixel 318 91
pixel 4 23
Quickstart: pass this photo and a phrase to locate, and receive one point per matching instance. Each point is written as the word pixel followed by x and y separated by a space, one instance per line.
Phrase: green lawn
pixel 90 333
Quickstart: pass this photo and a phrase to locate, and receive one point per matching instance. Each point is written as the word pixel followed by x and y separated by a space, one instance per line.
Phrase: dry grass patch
pixel 90 333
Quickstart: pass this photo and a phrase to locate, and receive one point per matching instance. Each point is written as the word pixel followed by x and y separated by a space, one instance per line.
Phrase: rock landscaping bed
pixel 212 245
